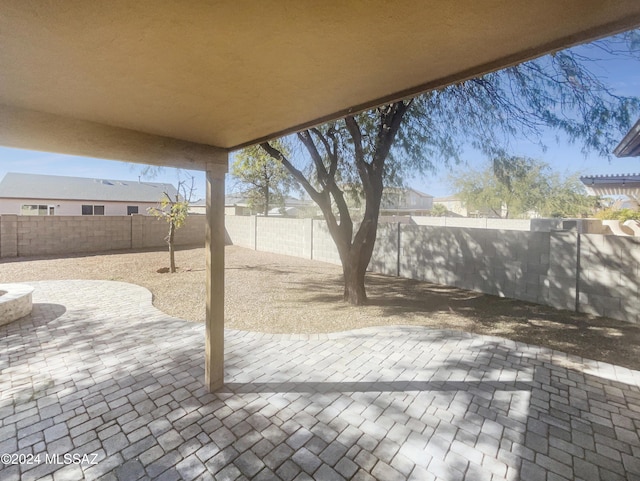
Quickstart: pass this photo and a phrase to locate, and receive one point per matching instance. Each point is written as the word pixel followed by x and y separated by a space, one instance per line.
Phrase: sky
pixel 622 75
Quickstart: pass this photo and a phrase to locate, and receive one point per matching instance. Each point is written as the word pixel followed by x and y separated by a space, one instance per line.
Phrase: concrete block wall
pixel 385 252
pixel 508 224
pixel 324 249
pixel 590 273
pixel 465 222
pixel 560 281
pixel 284 236
pixel 502 263
pixel 584 226
pixel 610 276
pixel 241 230
pixel 479 223
pixel 9 236
pixel 50 235
pixel 433 221
pixel 155 232
pixel 137 231
pixel 309 239
pixel 193 232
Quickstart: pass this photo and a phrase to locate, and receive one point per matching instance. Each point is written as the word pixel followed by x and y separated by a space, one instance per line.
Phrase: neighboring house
pixel 238 205
pixel 454 205
pixel 296 208
pixel 36 194
pixel 397 201
pixel 198 207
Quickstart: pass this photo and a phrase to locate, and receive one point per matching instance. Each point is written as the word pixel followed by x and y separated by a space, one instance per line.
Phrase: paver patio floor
pixel 96 370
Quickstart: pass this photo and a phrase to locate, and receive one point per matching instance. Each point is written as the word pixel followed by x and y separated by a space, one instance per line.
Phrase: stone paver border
pixel 97 374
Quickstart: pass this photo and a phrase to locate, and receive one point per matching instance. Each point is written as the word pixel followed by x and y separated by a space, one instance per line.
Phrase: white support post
pixel 214 252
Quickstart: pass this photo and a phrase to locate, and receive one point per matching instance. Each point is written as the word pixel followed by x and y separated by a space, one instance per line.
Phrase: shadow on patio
pixel 112 376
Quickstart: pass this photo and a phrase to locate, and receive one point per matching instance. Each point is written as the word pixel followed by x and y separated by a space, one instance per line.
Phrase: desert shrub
pixel 618 214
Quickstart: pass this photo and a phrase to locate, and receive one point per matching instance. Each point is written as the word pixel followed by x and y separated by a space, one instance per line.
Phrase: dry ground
pixel 280 294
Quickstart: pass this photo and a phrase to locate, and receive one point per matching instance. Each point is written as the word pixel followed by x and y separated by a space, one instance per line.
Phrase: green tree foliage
pixel 439 210
pixel 568 198
pixel 410 137
pixel 622 215
pixel 515 186
pixel 263 180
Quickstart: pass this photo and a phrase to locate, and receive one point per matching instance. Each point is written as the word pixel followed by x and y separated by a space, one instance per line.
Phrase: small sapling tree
pixel 175 212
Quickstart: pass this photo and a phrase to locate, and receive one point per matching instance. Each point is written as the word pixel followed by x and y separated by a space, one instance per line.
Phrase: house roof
pixel 234 199
pixel 404 191
pixel 421 194
pixel 241 201
pixel 37 186
pixel 170 82
pixel 448 198
pixel 630 145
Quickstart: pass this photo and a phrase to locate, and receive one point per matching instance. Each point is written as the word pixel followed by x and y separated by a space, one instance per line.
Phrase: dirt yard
pixel 280 294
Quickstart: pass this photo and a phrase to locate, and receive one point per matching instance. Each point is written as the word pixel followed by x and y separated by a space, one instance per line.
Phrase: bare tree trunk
pixel 354 290
pixel 172 257
pixel 354 270
pixel 355 251
pixel 361 249
pixel 355 255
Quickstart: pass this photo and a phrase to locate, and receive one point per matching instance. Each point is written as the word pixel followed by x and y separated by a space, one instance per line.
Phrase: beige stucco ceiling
pixel 230 73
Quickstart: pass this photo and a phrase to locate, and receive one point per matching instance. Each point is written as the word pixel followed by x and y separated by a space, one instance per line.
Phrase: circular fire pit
pixel 15 302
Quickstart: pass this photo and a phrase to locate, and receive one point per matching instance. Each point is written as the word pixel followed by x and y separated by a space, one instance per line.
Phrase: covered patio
pixel 182 85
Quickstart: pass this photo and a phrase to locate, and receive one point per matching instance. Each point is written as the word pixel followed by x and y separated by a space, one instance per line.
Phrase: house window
pixel 92 209
pixel 132 209
pixel 34 209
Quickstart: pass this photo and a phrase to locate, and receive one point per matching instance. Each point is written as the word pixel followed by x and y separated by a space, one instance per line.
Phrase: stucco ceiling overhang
pixel 193 79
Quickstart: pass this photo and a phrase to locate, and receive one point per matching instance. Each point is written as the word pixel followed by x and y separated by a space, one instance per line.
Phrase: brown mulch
pixel 280 294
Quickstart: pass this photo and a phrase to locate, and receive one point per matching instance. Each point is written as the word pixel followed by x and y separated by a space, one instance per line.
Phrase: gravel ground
pixel 281 294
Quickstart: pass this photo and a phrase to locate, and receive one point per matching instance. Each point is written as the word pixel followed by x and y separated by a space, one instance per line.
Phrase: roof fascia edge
pixel 33 130
pixel 629 143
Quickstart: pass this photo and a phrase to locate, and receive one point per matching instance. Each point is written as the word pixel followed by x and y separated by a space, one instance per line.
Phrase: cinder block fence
pixel 26 236
pixel 591 273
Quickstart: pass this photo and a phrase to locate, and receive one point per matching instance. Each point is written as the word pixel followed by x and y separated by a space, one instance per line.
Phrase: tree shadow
pixel 277 269
pixel 102 253
pixel 132 371
pixel 362 386
pixel 41 314
pixel 487 400
pixel 409 301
